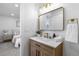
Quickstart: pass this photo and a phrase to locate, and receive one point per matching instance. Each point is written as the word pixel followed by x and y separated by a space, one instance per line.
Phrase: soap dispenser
pixel 54 35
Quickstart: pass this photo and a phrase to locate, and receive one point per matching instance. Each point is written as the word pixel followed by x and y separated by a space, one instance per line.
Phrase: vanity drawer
pixel 34 43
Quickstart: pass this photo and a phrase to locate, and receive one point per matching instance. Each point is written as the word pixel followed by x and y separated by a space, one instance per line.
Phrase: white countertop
pixel 50 42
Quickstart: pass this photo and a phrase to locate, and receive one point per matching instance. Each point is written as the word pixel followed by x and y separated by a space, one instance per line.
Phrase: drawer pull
pixel 37 45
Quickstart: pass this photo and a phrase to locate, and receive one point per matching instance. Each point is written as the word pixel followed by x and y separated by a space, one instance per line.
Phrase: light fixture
pixel 45 5
pixel 16 5
pixel 12 14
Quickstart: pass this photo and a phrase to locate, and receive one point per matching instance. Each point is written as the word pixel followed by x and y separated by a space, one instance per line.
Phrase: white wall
pixel 28 17
pixel 7 23
pixel 71 10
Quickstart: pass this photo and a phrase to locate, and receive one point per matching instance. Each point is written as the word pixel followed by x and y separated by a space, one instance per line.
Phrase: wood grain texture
pixel 39 49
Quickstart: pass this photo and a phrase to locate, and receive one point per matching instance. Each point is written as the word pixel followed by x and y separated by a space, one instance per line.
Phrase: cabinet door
pixel 45 53
pixel 33 51
pixel 38 52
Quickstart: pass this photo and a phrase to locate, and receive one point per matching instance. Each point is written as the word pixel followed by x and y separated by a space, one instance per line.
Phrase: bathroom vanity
pixel 40 46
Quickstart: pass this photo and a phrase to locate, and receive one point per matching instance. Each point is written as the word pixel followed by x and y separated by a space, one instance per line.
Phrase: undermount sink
pixel 57 39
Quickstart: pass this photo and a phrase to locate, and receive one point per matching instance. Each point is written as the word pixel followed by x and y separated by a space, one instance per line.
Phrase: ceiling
pixel 10 10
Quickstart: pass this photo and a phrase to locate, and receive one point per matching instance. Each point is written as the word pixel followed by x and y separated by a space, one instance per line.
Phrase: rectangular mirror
pixel 52 20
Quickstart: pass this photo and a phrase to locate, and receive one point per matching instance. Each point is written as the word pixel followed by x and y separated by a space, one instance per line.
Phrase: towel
pixel 16 40
pixel 72 33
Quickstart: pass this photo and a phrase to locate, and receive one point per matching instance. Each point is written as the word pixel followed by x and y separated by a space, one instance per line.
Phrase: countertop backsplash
pixel 57 33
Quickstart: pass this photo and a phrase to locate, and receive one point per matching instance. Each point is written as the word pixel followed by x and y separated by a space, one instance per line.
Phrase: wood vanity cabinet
pixel 39 49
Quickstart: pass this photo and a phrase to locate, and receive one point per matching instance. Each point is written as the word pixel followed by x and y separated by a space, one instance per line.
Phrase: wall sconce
pixel 45 5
